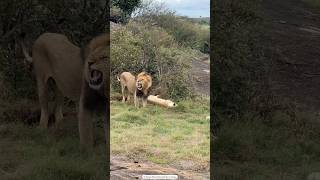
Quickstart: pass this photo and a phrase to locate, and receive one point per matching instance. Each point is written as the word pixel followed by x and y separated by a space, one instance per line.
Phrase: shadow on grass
pixel 280 148
pixel 29 153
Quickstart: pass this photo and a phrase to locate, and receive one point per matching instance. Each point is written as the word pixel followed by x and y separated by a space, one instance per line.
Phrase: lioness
pixel 79 74
pixel 128 85
pixel 143 84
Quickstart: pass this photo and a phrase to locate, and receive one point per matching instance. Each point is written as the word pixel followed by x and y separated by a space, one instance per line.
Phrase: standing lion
pixel 79 74
pixel 128 85
pixel 143 85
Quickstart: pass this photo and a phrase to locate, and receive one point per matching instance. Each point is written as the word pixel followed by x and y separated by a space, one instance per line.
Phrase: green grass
pixel 28 153
pixel 276 149
pixel 161 135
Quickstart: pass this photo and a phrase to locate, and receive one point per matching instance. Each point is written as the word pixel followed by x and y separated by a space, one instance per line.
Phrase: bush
pixel 122 10
pixel 185 30
pixel 140 47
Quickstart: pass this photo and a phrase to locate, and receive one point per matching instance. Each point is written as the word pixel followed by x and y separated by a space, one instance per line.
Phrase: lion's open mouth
pixel 139 86
pixel 96 78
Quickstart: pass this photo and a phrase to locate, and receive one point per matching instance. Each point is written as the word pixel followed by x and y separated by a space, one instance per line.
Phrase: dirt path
pixel 122 169
pixel 201 76
pixel 293 40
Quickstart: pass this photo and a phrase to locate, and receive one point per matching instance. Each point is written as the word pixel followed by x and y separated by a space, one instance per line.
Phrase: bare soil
pixel 123 168
pixel 201 76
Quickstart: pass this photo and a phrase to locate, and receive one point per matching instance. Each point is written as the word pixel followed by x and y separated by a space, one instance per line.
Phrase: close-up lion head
pixel 79 74
pixel 95 69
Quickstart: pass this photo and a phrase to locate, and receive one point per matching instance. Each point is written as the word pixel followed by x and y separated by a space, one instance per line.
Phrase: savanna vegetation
pixel 163 44
pixel 259 134
pixel 27 152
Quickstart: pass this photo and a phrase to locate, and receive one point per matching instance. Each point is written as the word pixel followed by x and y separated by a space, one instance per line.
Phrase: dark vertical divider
pixel 213 117
pixel 107 116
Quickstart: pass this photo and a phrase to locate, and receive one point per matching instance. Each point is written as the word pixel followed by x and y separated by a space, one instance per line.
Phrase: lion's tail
pixel 25 52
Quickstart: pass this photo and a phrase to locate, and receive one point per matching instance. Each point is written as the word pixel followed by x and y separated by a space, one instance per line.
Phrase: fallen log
pixel 162 102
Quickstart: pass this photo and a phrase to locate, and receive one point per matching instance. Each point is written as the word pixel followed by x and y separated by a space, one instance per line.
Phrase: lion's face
pixel 139 84
pixel 143 81
pixel 96 68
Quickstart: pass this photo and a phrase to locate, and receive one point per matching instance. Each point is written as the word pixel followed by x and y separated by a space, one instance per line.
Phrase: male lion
pixel 143 84
pixel 128 85
pixel 80 75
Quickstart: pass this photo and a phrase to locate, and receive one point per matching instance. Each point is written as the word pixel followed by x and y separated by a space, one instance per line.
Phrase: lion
pixel 143 84
pixel 128 85
pixel 162 102
pixel 79 74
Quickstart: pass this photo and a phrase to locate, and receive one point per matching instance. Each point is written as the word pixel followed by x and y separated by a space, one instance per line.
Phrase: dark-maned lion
pixel 128 85
pixel 143 84
pixel 80 75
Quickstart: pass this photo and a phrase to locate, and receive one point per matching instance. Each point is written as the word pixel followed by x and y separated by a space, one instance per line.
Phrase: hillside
pixel 202 20
pixel 282 140
pixel 292 37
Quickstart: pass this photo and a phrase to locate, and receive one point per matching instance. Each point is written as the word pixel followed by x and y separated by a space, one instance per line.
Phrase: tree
pixel 126 7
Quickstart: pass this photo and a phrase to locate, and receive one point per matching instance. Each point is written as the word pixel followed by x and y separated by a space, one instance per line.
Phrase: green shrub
pixel 186 31
pixel 125 9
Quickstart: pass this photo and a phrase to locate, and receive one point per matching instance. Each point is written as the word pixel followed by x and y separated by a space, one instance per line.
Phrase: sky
pixel 190 8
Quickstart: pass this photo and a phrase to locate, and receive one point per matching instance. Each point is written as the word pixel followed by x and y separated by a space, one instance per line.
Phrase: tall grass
pixel 28 153
pixel 279 149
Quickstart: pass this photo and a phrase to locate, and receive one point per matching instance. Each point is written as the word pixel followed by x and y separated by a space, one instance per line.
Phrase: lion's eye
pixel 90 63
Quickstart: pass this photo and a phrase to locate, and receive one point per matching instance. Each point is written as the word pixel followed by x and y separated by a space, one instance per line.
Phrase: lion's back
pixel 55 56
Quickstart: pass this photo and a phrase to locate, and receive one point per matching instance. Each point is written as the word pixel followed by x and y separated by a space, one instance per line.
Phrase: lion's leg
pixel 144 101
pixel 85 124
pixel 43 99
pixel 123 93
pixel 58 107
pixel 135 99
pixel 138 101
